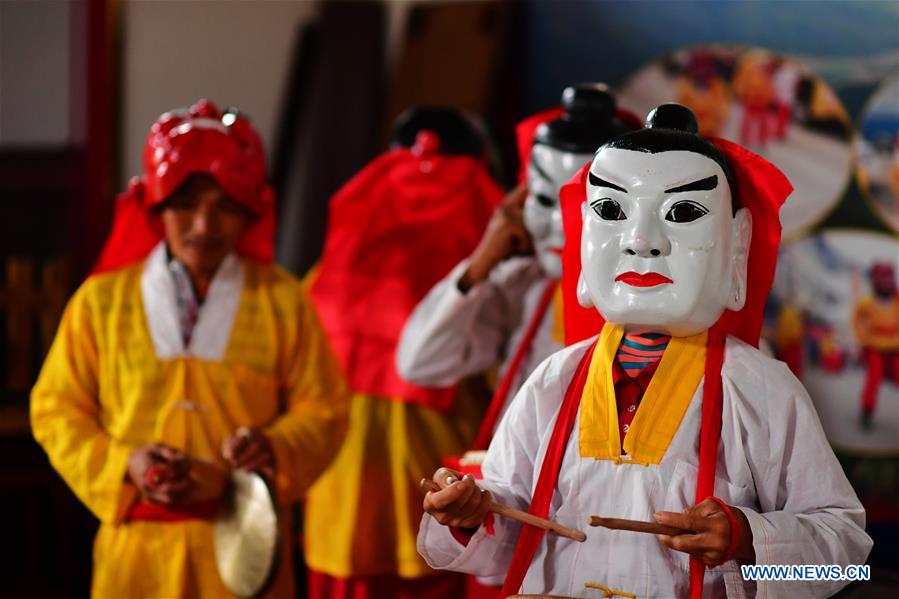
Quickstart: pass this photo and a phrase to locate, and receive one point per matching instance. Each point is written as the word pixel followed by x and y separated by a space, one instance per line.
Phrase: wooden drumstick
pixel 638 526
pixel 526 518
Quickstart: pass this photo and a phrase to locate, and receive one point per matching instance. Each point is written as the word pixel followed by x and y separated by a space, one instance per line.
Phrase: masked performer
pixel 876 324
pixel 394 230
pixel 677 236
pixel 497 303
pixel 185 353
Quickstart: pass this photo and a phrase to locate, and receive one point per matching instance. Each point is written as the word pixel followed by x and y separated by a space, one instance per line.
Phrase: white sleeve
pixel 808 512
pixel 452 334
pixel 509 476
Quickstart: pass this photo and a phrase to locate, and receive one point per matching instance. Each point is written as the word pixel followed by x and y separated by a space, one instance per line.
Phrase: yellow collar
pixel 558 328
pixel 663 405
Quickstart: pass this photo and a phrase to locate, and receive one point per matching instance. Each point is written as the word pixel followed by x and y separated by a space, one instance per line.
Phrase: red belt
pixel 201 510
pixel 144 510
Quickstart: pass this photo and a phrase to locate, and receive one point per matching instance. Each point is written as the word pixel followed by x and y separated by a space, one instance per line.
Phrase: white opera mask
pixel 549 169
pixel 660 246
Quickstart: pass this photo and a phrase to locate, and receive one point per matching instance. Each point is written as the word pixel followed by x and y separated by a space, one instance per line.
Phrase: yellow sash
pixel 558 329
pixel 663 405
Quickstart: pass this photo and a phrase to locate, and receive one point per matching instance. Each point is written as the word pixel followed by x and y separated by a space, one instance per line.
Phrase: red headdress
pixel 588 116
pixel 201 139
pixel 526 131
pixel 394 230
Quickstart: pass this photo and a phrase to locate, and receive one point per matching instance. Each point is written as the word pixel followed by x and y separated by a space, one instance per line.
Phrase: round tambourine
pixel 246 535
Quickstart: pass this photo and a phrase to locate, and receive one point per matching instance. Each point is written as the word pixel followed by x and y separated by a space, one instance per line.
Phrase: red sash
pixel 531 536
pixel 201 510
pixel 485 433
pixel 710 434
pixel 709 437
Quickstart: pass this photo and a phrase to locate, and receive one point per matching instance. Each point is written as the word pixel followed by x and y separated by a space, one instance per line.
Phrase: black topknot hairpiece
pixel 673 127
pixel 588 120
pixel 459 134
pixel 672 116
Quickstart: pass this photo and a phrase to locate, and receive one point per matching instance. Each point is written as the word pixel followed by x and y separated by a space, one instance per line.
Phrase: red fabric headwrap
pixel 526 130
pixel 181 143
pixel 762 189
pixel 394 230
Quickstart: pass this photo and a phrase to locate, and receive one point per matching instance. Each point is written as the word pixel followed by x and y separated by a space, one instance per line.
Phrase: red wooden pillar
pixel 94 118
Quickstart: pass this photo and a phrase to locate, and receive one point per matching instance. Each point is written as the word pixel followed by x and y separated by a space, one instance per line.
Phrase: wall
pixel 34 73
pixel 235 53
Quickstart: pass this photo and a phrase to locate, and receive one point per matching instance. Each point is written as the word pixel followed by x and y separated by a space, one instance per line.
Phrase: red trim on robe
pixel 531 536
pixel 501 395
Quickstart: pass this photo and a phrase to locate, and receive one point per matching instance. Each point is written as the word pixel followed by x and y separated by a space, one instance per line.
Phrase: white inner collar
pixel 216 314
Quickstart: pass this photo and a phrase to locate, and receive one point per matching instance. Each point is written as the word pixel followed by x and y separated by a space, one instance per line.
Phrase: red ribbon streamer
pixel 485 433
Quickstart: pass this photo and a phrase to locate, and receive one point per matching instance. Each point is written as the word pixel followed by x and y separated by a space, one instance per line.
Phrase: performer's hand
pixel 161 473
pixel 250 450
pixel 459 502
pixel 712 533
pixel 505 236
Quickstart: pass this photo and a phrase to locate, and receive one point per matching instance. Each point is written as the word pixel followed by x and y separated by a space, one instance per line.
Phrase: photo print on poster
pixel 767 103
pixel 833 317
pixel 877 148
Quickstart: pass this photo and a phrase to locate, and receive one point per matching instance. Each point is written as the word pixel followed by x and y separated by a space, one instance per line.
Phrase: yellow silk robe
pixel 362 514
pixel 104 390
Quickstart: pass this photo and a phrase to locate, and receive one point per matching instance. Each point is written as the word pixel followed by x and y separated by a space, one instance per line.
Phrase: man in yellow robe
pixel 185 354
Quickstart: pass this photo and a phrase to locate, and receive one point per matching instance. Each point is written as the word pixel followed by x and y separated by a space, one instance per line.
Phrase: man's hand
pixel 160 473
pixel 505 236
pixel 712 533
pixel 459 502
pixel 250 450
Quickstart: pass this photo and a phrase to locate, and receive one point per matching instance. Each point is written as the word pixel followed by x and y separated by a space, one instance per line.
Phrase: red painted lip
pixel 650 279
pixel 557 251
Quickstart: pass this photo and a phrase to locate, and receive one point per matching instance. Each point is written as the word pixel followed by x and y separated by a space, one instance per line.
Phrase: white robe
pixel 774 463
pixel 451 335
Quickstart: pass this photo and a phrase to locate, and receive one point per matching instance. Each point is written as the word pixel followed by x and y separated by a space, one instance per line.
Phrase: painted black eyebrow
pixel 597 182
pixel 706 184
pixel 540 170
